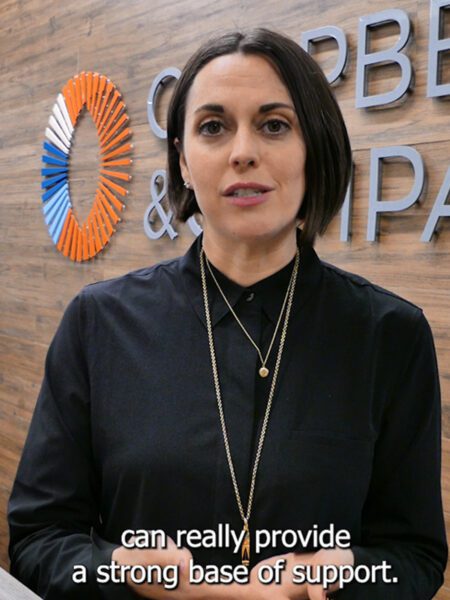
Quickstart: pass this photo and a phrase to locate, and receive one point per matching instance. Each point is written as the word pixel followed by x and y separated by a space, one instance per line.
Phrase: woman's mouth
pixel 247 197
pixel 247 193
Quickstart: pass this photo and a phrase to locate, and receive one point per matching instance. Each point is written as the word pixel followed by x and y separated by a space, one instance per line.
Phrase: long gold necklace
pixel 263 370
pixel 245 516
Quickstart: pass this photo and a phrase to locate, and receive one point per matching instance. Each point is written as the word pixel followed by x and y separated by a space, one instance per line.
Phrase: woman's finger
pixel 316 592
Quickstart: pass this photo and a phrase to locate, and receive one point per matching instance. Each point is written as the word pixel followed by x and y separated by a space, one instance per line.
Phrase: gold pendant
pixel 263 371
pixel 245 550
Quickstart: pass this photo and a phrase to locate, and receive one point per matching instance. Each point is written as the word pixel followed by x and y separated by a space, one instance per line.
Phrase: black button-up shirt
pixel 126 433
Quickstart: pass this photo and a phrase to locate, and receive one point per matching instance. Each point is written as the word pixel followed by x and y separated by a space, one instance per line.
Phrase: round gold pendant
pixel 263 371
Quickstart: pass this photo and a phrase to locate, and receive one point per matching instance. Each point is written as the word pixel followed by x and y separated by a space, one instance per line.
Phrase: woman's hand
pixel 254 590
pixel 335 556
pixel 287 590
pixel 154 557
pixel 175 557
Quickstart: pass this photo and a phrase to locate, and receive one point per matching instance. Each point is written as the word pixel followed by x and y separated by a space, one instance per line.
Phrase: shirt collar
pixel 272 289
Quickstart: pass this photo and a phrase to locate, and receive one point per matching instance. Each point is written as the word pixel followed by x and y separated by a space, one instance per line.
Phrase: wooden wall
pixel 43 43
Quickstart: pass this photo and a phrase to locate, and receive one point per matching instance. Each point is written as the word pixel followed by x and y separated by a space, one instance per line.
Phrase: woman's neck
pixel 244 262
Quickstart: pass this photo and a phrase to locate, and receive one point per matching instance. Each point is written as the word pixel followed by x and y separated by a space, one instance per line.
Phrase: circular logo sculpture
pixel 101 98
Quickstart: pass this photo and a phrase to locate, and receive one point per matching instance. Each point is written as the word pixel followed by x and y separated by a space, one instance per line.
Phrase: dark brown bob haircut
pixel 328 152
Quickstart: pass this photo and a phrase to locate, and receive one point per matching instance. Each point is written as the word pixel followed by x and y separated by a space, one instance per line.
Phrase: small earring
pixel 187 185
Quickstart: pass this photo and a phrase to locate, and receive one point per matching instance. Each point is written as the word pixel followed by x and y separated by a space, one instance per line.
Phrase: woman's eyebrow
pixel 217 108
pixel 274 105
pixel 264 108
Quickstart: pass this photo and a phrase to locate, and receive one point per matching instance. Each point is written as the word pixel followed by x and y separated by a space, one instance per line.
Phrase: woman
pixel 246 383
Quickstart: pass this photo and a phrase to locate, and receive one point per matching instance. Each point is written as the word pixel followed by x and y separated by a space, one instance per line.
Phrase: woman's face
pixel 243 152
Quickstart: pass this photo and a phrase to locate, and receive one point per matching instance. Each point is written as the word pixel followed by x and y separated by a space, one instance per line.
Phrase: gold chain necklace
pixel 263 370
pixel 245 516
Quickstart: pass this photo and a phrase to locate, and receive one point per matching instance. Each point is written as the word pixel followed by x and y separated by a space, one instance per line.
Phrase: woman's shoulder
pixel 159 276
pixel 362 297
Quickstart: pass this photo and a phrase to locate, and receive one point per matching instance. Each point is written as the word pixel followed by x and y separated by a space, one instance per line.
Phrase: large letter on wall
pixel 323 33
pixel 435 47
pixel 440 209
pixel 346 210
pixel 169 73
pixel 366 59
pixel 376 206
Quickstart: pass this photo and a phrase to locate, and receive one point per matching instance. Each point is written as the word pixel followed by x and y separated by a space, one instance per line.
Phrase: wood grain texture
pixel 44 43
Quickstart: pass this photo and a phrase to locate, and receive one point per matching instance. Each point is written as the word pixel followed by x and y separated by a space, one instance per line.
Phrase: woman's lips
pixel 248 200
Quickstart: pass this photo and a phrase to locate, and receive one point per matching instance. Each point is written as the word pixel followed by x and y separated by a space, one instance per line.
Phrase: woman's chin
pixel 262 232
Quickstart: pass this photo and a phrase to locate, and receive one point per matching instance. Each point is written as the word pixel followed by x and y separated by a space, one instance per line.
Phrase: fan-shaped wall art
pixel 98 95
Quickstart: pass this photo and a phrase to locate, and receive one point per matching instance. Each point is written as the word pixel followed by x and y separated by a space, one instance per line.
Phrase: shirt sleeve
pixel 402 521
pixel 54 508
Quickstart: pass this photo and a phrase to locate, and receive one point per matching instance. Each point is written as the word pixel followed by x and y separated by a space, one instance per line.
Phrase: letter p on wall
pixel 376 205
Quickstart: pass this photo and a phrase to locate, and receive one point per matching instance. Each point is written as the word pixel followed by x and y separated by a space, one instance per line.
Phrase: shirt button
pixel 250 297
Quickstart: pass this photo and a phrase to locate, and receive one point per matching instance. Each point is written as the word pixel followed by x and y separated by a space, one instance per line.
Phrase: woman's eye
pixel 275 126
pixel 211 128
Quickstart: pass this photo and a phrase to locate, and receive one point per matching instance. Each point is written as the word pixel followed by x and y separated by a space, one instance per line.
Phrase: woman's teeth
pixel 247 192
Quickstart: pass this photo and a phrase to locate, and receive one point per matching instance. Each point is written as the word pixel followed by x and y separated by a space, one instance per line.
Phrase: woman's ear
pixel 182 160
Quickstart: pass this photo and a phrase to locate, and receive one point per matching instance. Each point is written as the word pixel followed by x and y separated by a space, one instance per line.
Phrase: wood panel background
pixel 43 43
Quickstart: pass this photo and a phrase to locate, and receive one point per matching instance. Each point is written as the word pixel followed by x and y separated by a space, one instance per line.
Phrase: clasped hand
pixel 254 590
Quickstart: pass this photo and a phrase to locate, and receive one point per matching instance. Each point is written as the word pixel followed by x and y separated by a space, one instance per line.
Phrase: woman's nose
pixel 244 151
